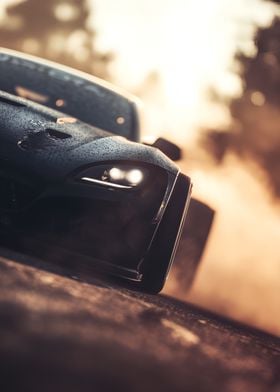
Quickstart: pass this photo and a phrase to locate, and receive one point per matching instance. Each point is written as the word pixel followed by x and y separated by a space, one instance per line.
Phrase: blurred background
pixel 208 74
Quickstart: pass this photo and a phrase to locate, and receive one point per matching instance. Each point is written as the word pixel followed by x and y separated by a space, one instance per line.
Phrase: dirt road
pixel 58 333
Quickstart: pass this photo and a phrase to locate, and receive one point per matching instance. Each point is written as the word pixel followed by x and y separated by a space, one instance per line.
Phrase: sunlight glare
pixel 189 44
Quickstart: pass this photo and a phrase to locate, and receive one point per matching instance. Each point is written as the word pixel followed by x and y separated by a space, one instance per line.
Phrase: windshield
pixel 74 93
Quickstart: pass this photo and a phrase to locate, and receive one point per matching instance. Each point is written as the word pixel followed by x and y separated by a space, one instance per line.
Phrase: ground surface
pixel 58 333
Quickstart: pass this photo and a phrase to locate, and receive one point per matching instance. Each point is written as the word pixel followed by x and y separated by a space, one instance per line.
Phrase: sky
pixel 190 44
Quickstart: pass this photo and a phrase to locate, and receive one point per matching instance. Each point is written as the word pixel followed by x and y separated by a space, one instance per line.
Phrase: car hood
pixel 48 144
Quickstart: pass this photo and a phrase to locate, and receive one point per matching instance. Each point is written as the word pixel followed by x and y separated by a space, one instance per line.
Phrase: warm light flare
pixel 190 46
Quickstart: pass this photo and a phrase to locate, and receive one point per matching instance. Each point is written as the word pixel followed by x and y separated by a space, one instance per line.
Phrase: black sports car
pixel 85 197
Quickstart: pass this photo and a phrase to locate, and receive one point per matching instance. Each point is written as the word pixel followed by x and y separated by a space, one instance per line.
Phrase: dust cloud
pixel 240 269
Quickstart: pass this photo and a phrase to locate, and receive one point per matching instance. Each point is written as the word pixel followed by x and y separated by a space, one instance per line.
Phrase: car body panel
pixel 49 208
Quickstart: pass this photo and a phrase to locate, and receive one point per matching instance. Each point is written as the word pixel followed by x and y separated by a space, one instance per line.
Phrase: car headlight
pixel 120 176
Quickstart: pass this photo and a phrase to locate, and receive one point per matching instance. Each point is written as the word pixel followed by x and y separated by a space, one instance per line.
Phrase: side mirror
pixel 168 148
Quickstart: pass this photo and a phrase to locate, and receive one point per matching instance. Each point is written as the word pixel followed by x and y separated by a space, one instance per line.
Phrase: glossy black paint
pixel 42 201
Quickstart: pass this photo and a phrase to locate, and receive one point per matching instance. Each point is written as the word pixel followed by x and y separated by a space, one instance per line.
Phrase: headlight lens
pixel 121 176
pixel 130 177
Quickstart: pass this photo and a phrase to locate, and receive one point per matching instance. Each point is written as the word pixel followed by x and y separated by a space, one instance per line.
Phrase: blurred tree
pixel 57 30
pixel 255 129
